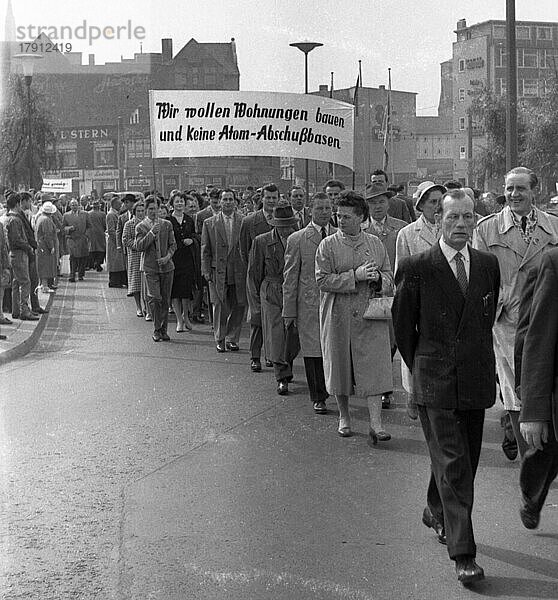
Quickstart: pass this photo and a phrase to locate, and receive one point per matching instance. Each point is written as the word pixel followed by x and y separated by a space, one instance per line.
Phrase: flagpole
pixel 332 164
pixel 365 131
pixel 390 130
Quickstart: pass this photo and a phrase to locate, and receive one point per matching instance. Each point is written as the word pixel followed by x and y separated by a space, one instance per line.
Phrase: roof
pixel 223 53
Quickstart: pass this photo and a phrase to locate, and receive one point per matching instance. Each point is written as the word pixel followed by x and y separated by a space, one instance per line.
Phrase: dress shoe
pixel 467 570
pixel 282 388
pixel 98 269
pixel 80 278
pixel 268 363
pixel 529 517
pixel 255 365
pixel 139 313
pixel 5 321
pixel 165 336
pixel 429 520
pixel 29 317
pixel 386 400
pixel 73 280
pixel 220 347
pixel 40 311
pixel 148 317
pixel 344 428
pixel 157 336
pixel 232 347
pixel 383 436
pixel 320 408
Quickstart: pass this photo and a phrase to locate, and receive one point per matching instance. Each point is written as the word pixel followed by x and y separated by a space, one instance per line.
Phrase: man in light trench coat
pixel 301 296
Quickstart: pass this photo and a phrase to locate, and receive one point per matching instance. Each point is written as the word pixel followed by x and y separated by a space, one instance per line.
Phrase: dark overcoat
pixel 445 338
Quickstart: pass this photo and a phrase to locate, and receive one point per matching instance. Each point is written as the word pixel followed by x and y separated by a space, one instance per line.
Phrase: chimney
pixel 233 50
pixel 91 60
pixel 382 87
pixel 462 24
pixel 166 46
pixel 323 89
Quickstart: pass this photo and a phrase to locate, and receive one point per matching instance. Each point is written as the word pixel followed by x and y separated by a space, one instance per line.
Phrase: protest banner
pixel 56 186
pixel 186 123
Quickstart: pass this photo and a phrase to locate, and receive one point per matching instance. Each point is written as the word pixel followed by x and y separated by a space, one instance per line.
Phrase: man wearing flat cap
pixel 265 289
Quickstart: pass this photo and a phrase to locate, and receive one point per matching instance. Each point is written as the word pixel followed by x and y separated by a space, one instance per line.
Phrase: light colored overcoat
pixel 350 343
pixel 115 256
pixel 301 296
pixel 216 254
pixel 413 239
pixel 498 235
pixel 388 236
pixel 47 242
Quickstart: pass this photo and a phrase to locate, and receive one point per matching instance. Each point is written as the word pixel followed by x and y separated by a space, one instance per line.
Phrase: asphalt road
pixel 135 470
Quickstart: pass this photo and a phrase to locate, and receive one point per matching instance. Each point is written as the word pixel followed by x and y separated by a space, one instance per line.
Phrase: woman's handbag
pixel 378 308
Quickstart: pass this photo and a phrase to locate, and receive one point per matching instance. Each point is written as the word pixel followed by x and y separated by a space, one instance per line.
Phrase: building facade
pixel 101 119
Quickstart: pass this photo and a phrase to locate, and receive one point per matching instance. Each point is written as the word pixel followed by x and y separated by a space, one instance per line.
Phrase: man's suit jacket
pixel 539 342
pixel 306 217
pixel 445 338
pixel 201 216
pixel 253 225
pixel 154 246
pixel 388 236
pixel 122 220
pixel 217 255
pixel 398 209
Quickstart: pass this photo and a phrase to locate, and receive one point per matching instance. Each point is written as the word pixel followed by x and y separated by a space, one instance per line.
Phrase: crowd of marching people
pixel 344 279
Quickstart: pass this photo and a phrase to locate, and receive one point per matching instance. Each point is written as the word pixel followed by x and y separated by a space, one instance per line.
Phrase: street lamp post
pixel 28 64
pixel 306 47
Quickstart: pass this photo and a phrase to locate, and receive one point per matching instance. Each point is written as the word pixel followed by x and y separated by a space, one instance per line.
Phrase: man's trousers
pixel 159 287
pixel 228 315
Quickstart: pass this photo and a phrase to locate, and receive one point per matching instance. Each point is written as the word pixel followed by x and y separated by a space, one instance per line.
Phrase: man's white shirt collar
pixel 450 252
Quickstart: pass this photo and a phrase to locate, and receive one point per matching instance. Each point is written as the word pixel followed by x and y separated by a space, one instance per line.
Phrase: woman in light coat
pixel 352 266
pixel 47 246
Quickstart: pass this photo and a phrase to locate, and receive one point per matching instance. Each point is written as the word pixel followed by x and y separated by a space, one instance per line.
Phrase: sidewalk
pixel 23 335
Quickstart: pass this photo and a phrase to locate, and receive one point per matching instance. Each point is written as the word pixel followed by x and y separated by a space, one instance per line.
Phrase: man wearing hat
pixel 47 246
pixel 397 207
pixel 116 265
pixel 265 289
pixel 97 240
pixel 382 225
pixel 76 223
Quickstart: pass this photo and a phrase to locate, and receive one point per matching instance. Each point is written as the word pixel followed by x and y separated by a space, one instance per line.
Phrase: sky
pixel 411 38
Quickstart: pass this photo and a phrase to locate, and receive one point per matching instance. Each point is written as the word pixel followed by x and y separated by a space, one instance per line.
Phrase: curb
pixel 29 343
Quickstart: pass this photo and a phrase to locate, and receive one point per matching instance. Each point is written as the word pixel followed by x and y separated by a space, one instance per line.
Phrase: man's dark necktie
pixel 324 233
pixel 461 273
pixel 523 223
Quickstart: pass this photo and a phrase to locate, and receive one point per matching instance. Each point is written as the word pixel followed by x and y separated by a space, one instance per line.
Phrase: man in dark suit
pixel 209 211
pixel 253 225
pixel 397 207
pixel 333 188
pixel 443 313
pixel 536 342
pixel 297 198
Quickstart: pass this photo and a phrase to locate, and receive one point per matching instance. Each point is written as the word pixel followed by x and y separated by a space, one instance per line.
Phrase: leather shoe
pixel 268 363
pixel 73 280
pixel 467 570
pixel 29 317
pixel 232 347
pixel 41 311
pixel 282 388
pixel 320 408
pixel 529 517
pixel 165 336
pixel 255 365
pixel 156 336
pixel 386 400
pixel 220 347
pixel 429 520
pixel 5 321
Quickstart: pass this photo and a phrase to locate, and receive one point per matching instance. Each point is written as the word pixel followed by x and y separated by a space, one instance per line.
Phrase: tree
pixel 14 136
pixel 537 127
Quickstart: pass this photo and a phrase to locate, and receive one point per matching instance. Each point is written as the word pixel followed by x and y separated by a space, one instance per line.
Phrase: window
pixel 544 33
pixel 461 95
pixel 461 123
pixel 500 57
pixel 500 87
pixel 530 88
pixel 499 32
pixel 547 60
pixel 139 148
pixel 67 156
pixel 104 154
pixel 462 152
pixel 526 58
pixel 522 32
pixel 461 65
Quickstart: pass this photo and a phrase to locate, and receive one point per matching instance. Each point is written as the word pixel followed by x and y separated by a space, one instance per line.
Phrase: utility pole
pixel 511 87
